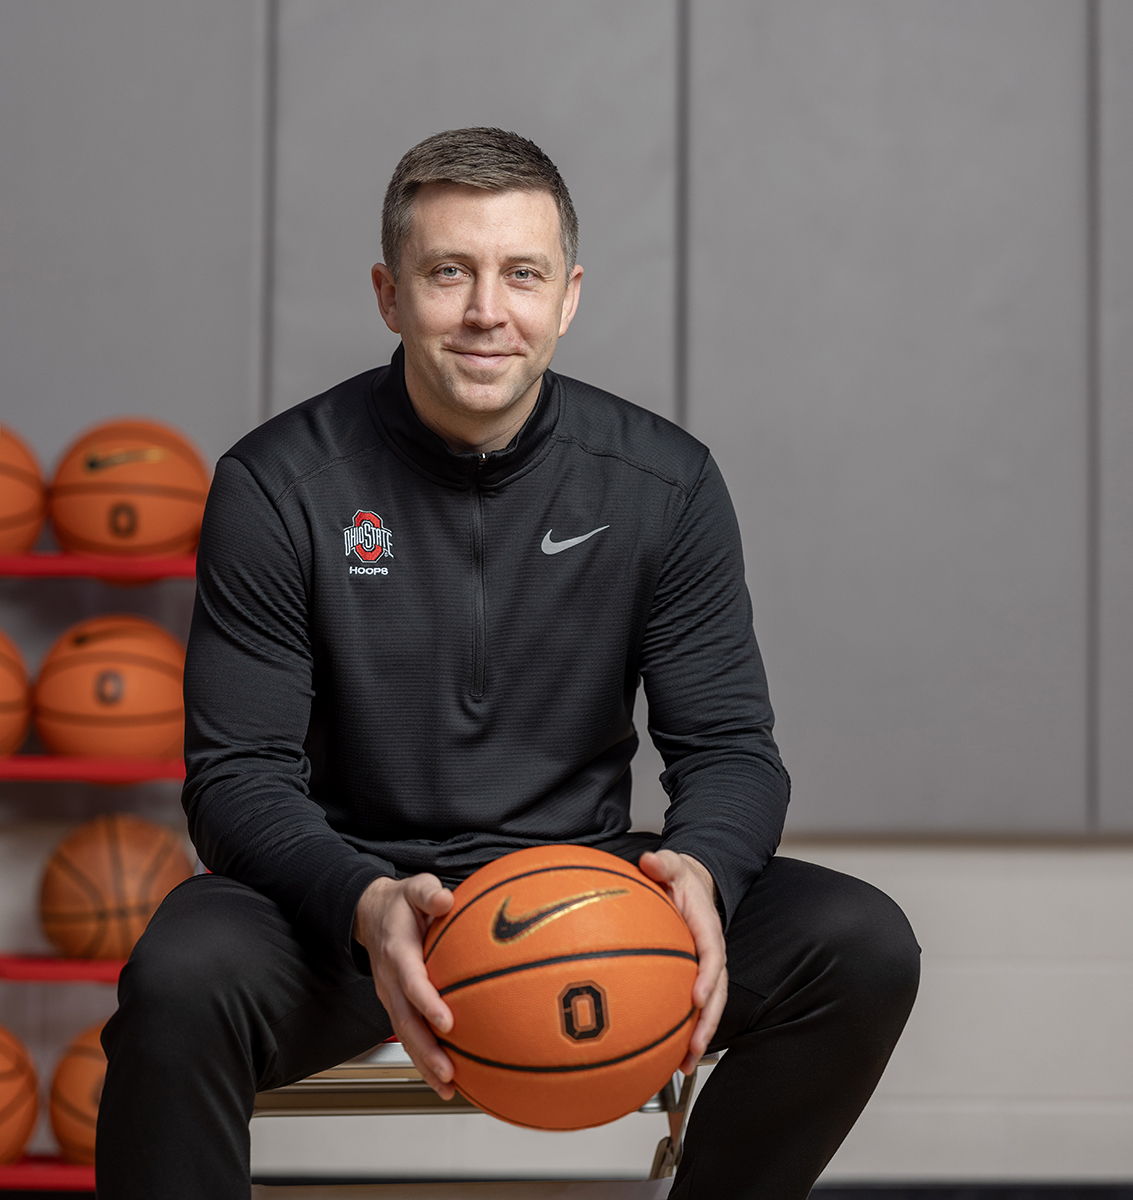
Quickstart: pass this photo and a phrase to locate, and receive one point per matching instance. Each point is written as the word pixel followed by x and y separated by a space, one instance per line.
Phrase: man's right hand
pixel 390 921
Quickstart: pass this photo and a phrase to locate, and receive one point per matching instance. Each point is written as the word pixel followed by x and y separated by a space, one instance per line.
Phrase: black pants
pixel 220 1000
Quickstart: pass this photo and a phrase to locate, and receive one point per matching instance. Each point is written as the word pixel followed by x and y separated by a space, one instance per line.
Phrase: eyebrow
pixel 536 260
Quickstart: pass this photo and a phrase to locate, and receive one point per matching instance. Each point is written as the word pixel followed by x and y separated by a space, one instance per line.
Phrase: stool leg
pixel 667 1157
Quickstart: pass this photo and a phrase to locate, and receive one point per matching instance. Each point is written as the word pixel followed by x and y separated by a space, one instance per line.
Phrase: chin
pixel 484 404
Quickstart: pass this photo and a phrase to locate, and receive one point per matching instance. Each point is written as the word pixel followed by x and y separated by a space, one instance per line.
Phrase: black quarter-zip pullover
pixel 406 659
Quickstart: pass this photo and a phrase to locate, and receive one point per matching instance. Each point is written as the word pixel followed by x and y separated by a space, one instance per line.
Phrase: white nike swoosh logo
pixel 549 547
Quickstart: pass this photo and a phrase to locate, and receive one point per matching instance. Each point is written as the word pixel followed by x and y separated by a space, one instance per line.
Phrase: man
pixel 425 600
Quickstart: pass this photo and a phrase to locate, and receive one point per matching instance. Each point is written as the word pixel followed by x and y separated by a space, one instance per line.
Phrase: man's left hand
pixel 692 890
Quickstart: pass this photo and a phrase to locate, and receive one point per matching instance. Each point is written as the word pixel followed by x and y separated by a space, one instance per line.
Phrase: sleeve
pixel 709 712
pixel 248 693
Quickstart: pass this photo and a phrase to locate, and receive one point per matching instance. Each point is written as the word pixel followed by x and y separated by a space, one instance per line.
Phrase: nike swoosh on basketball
pixel 549 547
pixel 506 929
pixel 99 462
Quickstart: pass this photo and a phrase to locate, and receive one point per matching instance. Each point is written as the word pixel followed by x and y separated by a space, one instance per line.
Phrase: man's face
pixel 481 300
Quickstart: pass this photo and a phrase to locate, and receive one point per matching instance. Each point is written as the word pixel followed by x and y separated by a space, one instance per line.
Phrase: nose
pixel 486 308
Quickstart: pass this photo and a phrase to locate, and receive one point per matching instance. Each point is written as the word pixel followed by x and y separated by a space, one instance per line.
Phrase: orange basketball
pixel 23 499
pixel 569 975
pixel 110 687
pixel 19 1102
pixel 15 697
pixel 75 1093
pixel 105 881
pixel 131 486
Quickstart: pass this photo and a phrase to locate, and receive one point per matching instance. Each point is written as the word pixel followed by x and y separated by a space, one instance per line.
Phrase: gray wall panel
pixel 888 358
pixel 128 136
pixel 1116 659
pixel 359 83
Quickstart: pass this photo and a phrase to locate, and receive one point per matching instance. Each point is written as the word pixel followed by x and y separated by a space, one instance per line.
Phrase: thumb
pixel 428 895
pixel 661 866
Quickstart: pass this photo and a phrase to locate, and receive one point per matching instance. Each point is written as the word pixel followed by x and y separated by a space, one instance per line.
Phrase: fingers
pixel 428 1057
pixel 706 1025
pixel 704 925
pixel 418 989
pixel 399 918
pixel 692 891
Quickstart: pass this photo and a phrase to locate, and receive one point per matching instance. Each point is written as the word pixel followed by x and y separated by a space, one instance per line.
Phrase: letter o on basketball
pixel 584 1011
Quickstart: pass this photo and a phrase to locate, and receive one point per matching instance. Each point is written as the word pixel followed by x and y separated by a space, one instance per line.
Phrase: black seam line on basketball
pixel 573 1068
pixel 114 849
pixel 79 877
pixel 136 549
pixel 94 896
pixel 584 956
pixel 21 474
pixel 99 914
pixel 143 432
pixel 18 1099
pixel 76 1114
pixel 166 491
pixel 157 861
pixel 22 518
pixel 108 722
pixel 85 1052
pixel 97 656
pixel 546 871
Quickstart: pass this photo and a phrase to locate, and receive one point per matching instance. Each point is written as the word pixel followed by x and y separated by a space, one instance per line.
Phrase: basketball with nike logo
pixel 569 975
pixel 131 486
pixel 111 687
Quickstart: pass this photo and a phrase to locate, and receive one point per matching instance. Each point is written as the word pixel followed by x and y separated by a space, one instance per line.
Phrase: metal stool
pixel 384 1080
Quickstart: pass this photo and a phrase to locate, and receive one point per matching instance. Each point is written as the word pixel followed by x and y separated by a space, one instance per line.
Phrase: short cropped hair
pixel 481 157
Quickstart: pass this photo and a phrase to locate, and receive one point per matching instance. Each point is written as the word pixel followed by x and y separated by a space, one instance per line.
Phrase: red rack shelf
pixel 101 566
pixel 36 968
pixel 59 768
pixel 45 1173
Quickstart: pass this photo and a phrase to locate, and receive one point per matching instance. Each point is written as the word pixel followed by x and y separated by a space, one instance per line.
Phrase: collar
pixel 417 444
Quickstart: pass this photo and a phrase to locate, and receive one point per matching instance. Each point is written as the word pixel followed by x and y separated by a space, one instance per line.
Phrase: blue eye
pixel 450 272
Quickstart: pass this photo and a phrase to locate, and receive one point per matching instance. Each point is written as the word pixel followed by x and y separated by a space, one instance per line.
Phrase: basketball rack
pixel 112 567
pixel 385 1081
pixel 45 1172
pixel 61 768
pixel 50 1172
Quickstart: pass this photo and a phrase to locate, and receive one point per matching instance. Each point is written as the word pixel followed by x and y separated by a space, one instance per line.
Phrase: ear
pixel 386 291
pixel 570 299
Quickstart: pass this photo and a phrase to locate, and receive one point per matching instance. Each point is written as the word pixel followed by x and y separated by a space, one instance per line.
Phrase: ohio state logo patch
pixel 368 537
